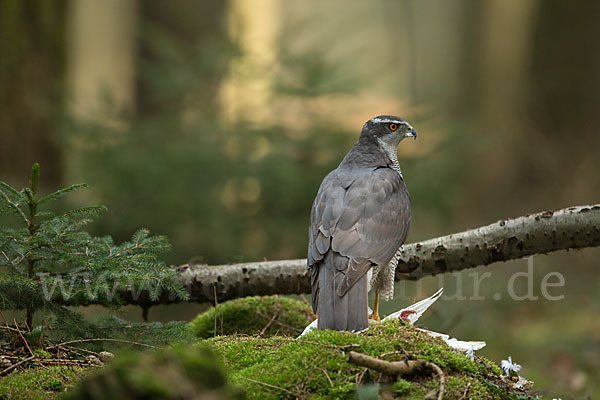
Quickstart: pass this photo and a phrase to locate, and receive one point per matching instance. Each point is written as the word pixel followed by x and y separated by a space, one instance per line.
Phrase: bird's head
pixel 387 130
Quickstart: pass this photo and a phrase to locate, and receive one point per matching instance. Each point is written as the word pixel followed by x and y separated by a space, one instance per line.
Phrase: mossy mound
pixel 251 315
pixel 39 383
pixel 316 366
pixel 182 372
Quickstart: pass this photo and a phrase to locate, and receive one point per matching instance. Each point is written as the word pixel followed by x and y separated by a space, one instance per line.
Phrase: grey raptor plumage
pixel 359 220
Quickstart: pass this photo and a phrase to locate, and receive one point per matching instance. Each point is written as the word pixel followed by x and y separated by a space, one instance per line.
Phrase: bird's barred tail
pixel 341 313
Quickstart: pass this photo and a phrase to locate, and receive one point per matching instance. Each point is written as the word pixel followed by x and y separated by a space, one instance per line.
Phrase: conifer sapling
pixel 48 261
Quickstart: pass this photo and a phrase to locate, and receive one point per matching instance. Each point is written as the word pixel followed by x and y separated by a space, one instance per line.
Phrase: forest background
pixel 214 122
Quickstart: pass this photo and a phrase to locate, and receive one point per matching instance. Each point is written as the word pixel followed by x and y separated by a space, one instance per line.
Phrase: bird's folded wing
pixel 362 215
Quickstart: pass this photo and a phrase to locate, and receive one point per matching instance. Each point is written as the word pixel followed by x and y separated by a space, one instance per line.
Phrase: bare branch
pixel 545 232
pixel 398 368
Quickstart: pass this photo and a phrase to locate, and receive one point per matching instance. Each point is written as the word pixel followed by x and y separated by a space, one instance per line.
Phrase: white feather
pixel 311 327
pixel 418 308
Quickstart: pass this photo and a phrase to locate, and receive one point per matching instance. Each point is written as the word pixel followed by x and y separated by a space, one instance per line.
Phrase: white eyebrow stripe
pixel 389 121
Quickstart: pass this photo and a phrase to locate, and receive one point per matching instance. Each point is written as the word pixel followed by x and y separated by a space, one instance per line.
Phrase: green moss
pixel 316 366
pixel 250 315
pixel 42 353
pixel 458 384
pixel 39 383
pixel 274 367
pixel 401 386
pixel 181 372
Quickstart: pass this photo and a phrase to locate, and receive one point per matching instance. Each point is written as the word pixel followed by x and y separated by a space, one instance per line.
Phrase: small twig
pixel 304 300
pixel 8 328
pixel 15 206
pixel 269 323
pixel 349 346
pixel 55 361
pixel 5 256
pixel 59 360
pixel 326 375
pixel 23 361
pixel 76 350
pixel 360 375
pixel 440 375
pixel 401 351
pixel 464 396
pixel 215 293
pixel 23 337
pixel 104 340
pixel 271 386
pixel 280 323
pixel 397 368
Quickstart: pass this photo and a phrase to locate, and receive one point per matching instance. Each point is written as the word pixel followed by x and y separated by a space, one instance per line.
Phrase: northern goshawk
pixel 359 220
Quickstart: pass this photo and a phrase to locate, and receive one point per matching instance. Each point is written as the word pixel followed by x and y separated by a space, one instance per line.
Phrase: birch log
pixel 508 239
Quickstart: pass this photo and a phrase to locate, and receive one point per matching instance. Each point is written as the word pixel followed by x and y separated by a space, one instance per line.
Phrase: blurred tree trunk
pixel 506 58
pixel 536 87
pixel 496 59
pixel 102 58
pixel 499 43
pixel 182 44
pixel 565 69
pixel 31 74
pixel 247 92
pixel 565 76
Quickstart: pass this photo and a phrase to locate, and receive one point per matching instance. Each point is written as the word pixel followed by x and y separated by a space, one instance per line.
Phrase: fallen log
pixel 507 239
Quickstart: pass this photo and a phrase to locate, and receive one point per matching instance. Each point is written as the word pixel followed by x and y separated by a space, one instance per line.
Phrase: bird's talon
pixel 375 317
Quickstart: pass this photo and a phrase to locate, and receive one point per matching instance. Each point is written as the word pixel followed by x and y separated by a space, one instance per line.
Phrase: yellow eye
pixel 393 127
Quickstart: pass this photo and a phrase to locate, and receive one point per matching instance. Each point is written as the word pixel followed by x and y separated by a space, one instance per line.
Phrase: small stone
pixel 93 360
pixel 105 356
pixel 5 362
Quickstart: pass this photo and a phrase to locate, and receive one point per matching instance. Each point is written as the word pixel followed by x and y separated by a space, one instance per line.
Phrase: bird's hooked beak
pixel 411 133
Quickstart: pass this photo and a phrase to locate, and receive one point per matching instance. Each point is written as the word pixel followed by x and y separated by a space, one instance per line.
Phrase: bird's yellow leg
pixel 375 315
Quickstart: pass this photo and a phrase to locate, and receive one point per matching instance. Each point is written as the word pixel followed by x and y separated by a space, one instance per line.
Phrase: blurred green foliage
pixel 215 206
pixel 180 372
pixel 222 192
